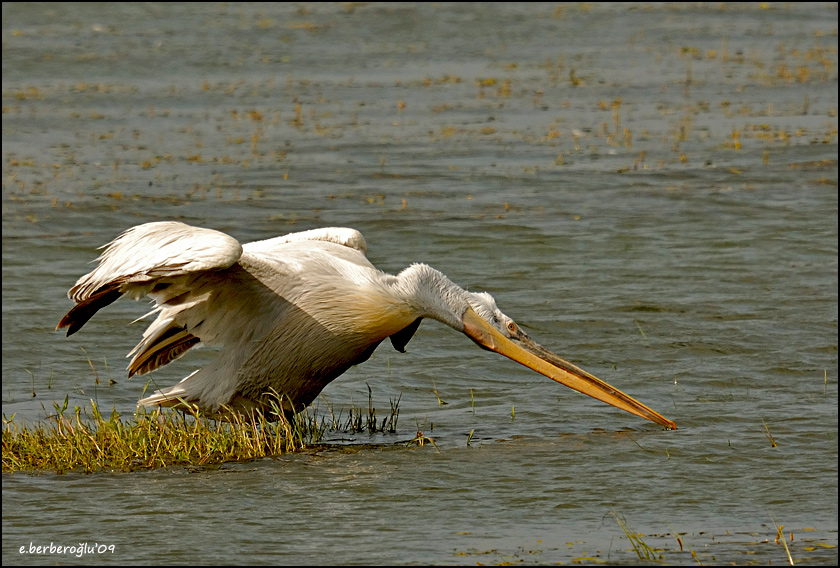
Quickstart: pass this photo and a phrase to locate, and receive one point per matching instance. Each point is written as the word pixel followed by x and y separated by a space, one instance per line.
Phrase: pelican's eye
pixel 512 328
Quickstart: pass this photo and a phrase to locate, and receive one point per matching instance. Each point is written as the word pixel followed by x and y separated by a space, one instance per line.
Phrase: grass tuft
pixel 89 442
pixel 364 419
pixel 86 441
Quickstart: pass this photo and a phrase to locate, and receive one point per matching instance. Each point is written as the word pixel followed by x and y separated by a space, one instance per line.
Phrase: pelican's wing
pixel 350 238
pixel 136 262
pixel 270 312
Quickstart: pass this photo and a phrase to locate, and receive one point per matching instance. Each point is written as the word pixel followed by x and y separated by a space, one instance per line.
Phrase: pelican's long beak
pixel 525 351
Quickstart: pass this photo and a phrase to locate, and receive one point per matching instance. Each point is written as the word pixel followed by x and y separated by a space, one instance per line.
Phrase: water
pixel 649 190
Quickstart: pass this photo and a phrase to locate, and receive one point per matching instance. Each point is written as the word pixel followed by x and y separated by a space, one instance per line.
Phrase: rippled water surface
pixel 650 190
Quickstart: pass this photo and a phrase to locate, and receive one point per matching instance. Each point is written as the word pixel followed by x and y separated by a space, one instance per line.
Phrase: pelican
pixel 291 314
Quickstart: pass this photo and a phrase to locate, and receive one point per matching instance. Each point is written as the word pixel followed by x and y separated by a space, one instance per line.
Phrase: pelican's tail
pixel 171 396
pixel 238 407
pixel 201 389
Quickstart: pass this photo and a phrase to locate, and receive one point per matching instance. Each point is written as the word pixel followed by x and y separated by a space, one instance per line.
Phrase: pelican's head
pixel 488 327
pixel 433 295
pixel 484 305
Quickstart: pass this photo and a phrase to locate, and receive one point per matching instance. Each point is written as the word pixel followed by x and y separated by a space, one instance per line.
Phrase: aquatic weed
pixel 88 441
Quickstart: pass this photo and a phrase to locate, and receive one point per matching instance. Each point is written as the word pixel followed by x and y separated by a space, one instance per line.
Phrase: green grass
pixel 86 441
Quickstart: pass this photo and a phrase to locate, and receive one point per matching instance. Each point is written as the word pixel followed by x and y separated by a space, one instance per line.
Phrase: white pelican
pixel 291 314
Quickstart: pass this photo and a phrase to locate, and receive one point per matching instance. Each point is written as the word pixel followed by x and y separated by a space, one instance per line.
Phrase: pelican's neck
pixel 433 295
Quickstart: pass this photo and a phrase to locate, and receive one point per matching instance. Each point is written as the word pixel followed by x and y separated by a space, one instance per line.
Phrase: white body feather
pixel 290 313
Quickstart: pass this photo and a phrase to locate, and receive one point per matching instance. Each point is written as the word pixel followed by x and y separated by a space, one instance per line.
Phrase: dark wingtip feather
pixel 84 310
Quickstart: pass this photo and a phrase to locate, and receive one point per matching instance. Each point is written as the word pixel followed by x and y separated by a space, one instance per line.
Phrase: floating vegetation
pixel 768 434
pixel 643 551
pixel 734 548
pixel 780 538
pixel 86 441
pixel 421 440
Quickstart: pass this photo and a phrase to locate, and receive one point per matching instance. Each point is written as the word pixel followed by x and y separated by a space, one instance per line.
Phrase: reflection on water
pixel 651 191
